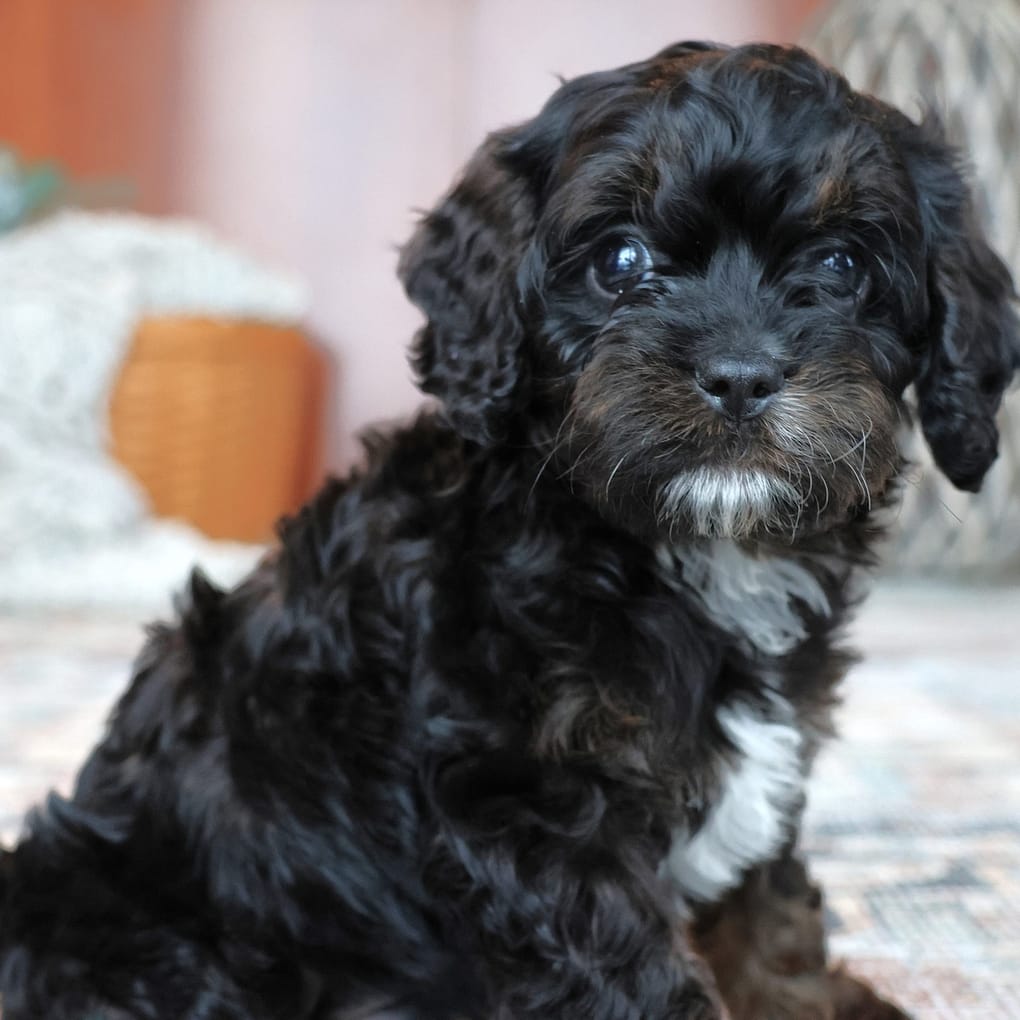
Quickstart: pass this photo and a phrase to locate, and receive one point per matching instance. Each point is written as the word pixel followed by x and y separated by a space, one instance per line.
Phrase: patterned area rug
pixel 914 823
pixel 914 819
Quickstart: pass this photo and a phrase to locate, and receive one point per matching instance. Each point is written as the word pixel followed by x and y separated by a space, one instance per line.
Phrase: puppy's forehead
pixel 768 111
pixel 752 111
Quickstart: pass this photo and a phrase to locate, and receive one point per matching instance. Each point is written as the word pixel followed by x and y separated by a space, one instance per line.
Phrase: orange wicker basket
pixel 221 421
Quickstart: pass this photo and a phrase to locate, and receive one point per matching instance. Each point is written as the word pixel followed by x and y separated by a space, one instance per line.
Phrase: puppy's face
pixel 698 287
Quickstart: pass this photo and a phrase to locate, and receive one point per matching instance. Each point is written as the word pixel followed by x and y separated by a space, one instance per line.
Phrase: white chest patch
pixel 755 598
pixel 762 787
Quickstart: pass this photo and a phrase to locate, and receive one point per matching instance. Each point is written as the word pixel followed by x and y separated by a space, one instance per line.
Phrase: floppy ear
pixel 460 268
pixel 973 338
pixel 464 265
pixel 971 359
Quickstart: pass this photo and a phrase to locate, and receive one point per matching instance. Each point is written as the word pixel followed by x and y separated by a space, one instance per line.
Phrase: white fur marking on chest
pixel 752 813
pixel 756 598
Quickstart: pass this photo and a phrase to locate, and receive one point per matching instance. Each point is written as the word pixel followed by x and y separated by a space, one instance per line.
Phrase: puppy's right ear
pixel 460 268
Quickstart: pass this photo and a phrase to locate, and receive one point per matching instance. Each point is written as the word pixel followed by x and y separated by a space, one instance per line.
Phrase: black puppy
pixel 515 722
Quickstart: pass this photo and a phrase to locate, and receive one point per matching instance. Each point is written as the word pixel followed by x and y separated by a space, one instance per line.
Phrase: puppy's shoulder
pixel 410 478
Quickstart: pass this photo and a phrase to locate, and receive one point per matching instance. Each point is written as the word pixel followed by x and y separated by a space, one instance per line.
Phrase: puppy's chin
pixel 742 499
pixel 716 502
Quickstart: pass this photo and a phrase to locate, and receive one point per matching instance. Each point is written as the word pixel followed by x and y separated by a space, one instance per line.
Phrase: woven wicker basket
pixel 221 421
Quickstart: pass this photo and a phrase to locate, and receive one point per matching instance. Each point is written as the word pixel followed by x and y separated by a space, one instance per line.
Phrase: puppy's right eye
pixel 620 263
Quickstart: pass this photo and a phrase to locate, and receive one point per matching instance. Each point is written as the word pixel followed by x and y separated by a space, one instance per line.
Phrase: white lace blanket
pixel 74 527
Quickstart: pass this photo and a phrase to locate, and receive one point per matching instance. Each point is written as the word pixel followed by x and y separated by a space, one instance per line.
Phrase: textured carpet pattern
pixel 914 823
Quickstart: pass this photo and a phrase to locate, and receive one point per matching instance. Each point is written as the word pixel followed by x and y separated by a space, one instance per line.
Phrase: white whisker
pixel 619 464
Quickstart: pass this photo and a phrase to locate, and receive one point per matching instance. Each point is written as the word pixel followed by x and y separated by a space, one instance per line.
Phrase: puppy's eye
pixel 620 263
pixel 844 274
pixel 840 262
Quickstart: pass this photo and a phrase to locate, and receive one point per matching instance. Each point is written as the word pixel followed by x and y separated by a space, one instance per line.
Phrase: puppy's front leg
pixel 766 945
pixel 559 878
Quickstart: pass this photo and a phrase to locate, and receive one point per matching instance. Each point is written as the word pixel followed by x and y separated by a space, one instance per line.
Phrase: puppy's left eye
pixel 839 262
pixel 845 274
pixel 620 263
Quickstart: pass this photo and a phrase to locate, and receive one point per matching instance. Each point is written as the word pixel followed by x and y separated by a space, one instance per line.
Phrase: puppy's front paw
pixel 853 999
pixel 766 946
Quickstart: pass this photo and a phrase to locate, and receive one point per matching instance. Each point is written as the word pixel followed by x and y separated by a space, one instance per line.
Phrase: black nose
pixel 739 387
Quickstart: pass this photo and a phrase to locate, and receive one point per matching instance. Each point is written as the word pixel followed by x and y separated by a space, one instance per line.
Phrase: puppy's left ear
pixel 460 268
pixel 973 337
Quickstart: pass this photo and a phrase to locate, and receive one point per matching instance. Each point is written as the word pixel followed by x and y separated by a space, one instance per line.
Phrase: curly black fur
pixel 436 749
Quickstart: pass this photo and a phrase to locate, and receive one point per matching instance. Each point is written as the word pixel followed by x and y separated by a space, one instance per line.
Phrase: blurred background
pixel 200 207
pixel 307 132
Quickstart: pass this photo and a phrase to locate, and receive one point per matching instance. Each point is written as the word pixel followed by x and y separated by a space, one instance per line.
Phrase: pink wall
pixel 308 131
